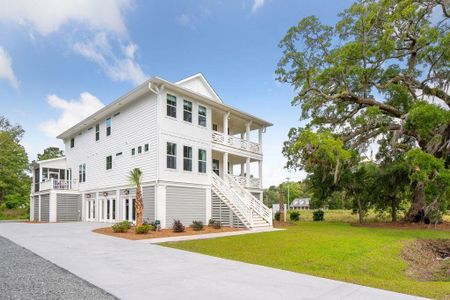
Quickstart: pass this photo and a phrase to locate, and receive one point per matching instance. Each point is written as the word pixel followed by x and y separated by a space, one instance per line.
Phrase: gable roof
pixel 198 83
pixel 149 87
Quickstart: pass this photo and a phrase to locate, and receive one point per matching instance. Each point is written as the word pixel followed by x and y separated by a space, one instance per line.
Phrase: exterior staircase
pixel 250 211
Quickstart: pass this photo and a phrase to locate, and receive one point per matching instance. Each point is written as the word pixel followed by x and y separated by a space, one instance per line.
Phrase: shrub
pixel 143 229
pixel 121 226
pixel 211 222
pixel 277 216
pixel 318 215
pixel 178 226
pixel 197 225
pixel 217 225
pixel 294 215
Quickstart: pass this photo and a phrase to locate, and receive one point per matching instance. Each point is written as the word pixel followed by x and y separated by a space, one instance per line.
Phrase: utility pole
pixel 287 206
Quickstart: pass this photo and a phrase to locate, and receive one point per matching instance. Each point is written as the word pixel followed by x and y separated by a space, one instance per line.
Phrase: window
pixel 119 154
pixel 82 173
pixel 140 149
pixel 171 106
pixel 133 151
pixel 201 161
pixel 108 162
pixel 171 156
pixel 187 158
pixel 108 126
pixel 72 142
pixel 97 132
pixel 187 113
pixel 146 147
pixel 202 116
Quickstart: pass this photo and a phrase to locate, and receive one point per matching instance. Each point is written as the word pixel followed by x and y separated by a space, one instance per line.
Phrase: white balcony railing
pixel 251 182
pixel 58 184
pixel 232 141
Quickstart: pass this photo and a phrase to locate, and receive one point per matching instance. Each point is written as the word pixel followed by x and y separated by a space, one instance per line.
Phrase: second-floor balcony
pixel 251 182
pixel 58 184
pixel 235 142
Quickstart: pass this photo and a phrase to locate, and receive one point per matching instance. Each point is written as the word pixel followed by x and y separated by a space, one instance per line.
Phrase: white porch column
pixel 97 210
pixel 225 124
pixel 110 206
pixel 40 180
pixel 260 132
pixel 247 130
pixel 247 170
pixel 225 164
pixel 118 213
pixel 260 173
pixel 242 169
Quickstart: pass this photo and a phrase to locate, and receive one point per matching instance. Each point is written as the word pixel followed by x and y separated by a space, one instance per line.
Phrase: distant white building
pixel 300 203
pixel 195 153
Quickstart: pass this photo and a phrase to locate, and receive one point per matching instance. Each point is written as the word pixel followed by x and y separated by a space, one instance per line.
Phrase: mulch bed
pixel 404 225
pixel 428 259
pixel 131 235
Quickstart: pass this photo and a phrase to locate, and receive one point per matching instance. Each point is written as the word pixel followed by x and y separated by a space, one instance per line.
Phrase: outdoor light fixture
pixel 126 192
pixel 105 194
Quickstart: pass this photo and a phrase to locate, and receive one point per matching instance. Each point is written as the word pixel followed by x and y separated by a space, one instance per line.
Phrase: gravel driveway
pixel 24 275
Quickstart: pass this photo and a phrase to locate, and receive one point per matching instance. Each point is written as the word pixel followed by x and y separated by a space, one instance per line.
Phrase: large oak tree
pixel 380 74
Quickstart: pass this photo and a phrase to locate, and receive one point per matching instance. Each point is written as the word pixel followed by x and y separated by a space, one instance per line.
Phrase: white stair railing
pixel 244 209
pixel 250 200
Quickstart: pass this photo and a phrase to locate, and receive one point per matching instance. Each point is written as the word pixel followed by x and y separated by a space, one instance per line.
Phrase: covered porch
pixel 52 174
pixel 244 170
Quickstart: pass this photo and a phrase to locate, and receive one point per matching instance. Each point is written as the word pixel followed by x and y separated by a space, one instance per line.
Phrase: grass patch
pixel 336 250
pixel 14 214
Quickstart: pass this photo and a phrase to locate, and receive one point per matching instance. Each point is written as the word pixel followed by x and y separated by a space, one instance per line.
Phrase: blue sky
pixel 62 60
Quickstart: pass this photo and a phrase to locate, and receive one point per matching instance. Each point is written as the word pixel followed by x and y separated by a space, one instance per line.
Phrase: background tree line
pixel 379 78
pixel 15 171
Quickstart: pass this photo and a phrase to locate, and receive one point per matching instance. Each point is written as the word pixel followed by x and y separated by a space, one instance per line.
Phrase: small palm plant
pixel 135 178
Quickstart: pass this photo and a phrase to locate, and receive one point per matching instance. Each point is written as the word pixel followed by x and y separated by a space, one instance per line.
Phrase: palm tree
pixel 135 178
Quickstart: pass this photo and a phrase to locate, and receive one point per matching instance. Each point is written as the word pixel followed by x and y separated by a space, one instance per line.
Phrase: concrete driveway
pixel 134 270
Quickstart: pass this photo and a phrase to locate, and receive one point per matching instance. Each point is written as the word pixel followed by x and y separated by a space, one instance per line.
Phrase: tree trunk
pixel 417 211
pixel 139 206
pixel 360 211
pixel 393 210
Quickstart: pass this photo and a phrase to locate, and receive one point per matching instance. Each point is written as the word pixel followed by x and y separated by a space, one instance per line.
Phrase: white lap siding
pixel 45 207
pixel 68 207
pixel 185 204
pixel 148 195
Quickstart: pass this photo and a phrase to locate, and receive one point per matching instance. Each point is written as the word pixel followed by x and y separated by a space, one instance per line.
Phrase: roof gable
pixel 198 83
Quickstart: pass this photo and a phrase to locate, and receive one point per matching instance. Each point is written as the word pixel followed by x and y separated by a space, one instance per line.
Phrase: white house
pixel 196 153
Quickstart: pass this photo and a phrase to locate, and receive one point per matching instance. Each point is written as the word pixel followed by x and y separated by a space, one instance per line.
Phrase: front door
pixel 129 210
pixel 107 208
pixel 215 166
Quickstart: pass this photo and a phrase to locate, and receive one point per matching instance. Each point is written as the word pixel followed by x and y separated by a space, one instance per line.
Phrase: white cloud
pixel 117 65
pixel 72 112
pixel 102 19
pixel 257 4
pixel 186 21
pixel 47 16
pixel 6 71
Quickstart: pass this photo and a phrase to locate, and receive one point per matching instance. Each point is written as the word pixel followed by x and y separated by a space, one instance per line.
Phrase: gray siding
pixel 148 195
pixel 36 208
pixel 68 207
pixel 222 213
pixel 45 208
pixel 185 204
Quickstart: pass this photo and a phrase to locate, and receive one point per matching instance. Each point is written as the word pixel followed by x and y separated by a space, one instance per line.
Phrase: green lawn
pixel 13 214
pixel 336 250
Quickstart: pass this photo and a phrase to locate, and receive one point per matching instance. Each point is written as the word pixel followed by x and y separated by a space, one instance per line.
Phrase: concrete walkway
pixel 132 270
